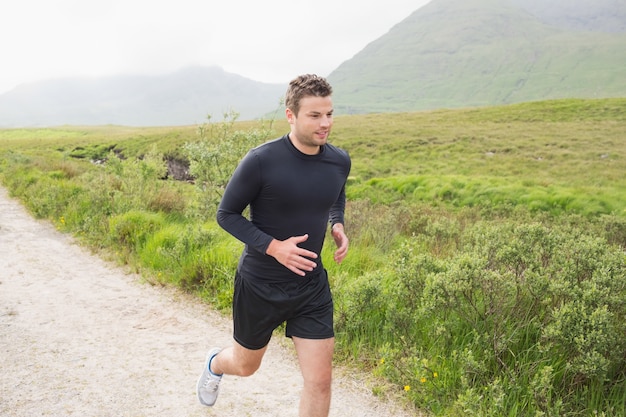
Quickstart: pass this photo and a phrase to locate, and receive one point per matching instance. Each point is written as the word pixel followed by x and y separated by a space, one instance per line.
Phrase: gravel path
pixel 81 337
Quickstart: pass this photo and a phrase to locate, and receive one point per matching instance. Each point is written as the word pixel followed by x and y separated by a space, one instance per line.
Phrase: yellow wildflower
pixel 423 380
pixel 407 388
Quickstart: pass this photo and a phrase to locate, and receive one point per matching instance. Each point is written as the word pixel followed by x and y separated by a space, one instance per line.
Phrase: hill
pixel 181 98
pixel 447 54
pixel 461 53
pixel 597 16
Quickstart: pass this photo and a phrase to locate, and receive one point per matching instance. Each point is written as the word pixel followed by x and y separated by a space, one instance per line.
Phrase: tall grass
pixel 486 274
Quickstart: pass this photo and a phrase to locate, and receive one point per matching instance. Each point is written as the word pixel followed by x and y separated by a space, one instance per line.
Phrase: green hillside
pixel 453 53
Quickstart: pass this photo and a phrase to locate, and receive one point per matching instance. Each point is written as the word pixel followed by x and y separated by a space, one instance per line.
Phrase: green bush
pixel 133 183
pixel 528 310
pixel 194 257
pixel 132 228
pixel 214 157
pixel 167 199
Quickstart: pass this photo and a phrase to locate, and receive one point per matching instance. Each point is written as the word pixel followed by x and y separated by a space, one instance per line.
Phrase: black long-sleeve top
pixel 289 194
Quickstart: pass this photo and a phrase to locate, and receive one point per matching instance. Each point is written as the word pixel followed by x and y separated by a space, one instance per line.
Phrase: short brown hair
pixel 303 86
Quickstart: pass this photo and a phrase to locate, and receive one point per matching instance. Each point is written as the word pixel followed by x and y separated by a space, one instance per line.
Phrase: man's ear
pixel 290 116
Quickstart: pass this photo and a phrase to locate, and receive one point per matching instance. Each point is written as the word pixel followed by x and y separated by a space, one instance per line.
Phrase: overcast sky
pixel 265 40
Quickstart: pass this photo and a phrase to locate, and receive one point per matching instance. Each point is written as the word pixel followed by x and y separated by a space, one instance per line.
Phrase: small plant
pixel 214 157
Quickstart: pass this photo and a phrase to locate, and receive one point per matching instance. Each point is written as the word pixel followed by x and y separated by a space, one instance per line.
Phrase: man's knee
pixel 247 362
pixel 247 368
pixel 320 382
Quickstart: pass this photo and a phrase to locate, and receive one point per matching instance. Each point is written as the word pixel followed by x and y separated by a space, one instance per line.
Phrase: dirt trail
pixel 80 337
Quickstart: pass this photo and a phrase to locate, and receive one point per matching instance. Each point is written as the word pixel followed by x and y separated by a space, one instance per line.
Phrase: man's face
pixel 311 127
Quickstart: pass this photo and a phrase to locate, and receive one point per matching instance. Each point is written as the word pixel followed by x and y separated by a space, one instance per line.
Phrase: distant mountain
pixel 181 98
pixel 449 53
pixel 460 53
pixel 596 16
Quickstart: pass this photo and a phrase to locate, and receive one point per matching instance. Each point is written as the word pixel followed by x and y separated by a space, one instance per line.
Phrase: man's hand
pixel 341 240
pixel 290 255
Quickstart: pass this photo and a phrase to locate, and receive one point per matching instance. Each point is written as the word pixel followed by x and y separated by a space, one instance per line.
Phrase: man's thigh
pixel 315 357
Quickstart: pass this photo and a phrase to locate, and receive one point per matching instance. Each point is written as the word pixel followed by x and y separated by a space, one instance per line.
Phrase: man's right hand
pixel 290 255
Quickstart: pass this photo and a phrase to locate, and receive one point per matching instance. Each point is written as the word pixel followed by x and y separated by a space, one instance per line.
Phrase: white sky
pixel 265 40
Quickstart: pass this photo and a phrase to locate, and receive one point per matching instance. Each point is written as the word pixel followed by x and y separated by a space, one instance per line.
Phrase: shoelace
pixel 211 383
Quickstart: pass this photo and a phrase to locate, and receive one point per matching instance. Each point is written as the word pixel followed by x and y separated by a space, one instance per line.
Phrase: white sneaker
pixel 208 384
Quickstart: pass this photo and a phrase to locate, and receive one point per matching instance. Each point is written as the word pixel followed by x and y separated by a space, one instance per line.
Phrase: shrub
pixel 134 183
pixel 167 199
pixel 533 311
pixel 215 156
pixel 132 228
pixel 195 258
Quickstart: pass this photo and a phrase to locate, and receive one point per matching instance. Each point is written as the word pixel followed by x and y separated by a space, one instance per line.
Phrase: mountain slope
pixel 182 98
pixel 458 53
pixel 449 53
pixel 596 16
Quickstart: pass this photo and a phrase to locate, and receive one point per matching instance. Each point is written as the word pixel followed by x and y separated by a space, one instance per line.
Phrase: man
pixel 294 186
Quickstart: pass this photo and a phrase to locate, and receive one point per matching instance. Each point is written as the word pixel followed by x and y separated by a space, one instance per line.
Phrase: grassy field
pixel 486 274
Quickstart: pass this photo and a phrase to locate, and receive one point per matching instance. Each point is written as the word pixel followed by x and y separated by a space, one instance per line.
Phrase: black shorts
pixel 259 307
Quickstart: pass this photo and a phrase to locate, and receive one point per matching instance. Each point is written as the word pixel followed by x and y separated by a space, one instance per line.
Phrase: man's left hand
pixel 341 240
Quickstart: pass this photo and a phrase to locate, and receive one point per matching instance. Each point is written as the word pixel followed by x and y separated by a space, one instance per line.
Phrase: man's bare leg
pixel 237 360
pixel 315 358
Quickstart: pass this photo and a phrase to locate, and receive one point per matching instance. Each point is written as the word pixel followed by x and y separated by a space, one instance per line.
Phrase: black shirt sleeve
pixel 241 190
